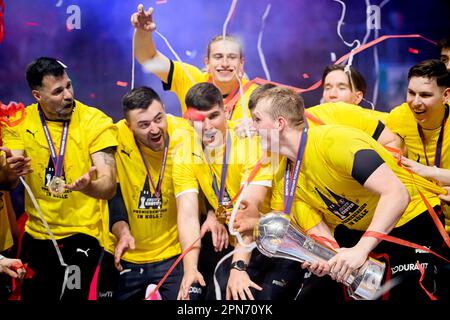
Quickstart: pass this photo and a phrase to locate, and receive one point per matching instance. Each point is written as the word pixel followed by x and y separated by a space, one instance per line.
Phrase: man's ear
pixel 281 123
pixel 358 97
pixel 206 61
pixel 36 94
pixel 241 68
pixel 446 96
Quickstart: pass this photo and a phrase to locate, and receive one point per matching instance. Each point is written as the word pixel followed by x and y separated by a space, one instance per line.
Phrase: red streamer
pixel 11 114
pixel 2 20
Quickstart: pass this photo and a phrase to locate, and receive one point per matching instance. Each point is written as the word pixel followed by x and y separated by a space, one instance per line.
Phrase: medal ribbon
pixel 226 153
pixel 57 160
pixel 157 190
pixel 290 181
pixel 438 152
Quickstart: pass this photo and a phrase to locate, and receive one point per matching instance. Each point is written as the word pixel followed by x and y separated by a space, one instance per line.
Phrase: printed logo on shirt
pixel 126 152
pixel 342 209
pixel 31 132
pixel 148 205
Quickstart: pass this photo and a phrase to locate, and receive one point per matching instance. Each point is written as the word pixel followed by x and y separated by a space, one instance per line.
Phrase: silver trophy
pixel 277 237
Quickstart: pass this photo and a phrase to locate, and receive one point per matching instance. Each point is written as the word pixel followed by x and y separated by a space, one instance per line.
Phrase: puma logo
pixel 32 133
pixel 84 251
pixel 127 153
pixel 196 155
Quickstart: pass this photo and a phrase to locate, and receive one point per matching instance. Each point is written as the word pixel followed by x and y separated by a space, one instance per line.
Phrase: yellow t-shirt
pixel 326 189
pixel 90 130
pixel 188 175
pixel 6 240
pixel 180 83
pixel 344 114
pixel 402 122
pixel 153 227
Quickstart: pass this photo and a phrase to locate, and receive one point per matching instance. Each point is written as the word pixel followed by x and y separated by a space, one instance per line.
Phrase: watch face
pixel 239 265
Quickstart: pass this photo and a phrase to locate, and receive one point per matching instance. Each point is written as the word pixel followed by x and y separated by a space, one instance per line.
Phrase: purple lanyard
pixel 226 153
pixel 438 152
pixel 163 166
pixel 291 184
pixel 57 160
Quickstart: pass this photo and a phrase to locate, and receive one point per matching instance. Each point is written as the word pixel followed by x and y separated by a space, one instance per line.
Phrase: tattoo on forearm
pixel 107 155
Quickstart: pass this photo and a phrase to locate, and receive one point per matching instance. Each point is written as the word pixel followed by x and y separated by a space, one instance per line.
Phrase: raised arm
pixel 144 46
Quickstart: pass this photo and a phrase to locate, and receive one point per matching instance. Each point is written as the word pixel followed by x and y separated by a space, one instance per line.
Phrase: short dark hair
pixel 227 37
pixel 432 68
pixel 41 67
pixel 139 98
pixel 256 94
pixel 204 96
pixel 354 77
pixel 286 103
pixel 444 43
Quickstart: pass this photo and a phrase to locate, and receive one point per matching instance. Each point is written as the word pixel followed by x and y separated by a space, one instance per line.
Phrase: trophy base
pixel 367 282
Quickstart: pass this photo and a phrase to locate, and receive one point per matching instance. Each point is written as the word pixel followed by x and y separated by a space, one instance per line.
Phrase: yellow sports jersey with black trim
pixel 197 171
pixel 402 122
pixel 90 131
pixel 6 240
pixel 326 189
pixel 343 114
pixel 153 227
pixel 180 83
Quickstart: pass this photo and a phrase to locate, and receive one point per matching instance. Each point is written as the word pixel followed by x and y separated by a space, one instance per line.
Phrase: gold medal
pixel 56 186
pixel 221 214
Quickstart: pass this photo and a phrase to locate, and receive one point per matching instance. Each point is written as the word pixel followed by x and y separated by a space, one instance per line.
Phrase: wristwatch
pixel 239 265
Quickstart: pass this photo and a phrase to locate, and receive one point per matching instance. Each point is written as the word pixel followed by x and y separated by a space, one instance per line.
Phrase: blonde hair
pixel 285 103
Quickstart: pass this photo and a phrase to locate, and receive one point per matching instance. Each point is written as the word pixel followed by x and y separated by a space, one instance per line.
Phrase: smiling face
pixel 56 97
pixel 426 101
pixel 224 62
pixel 149 126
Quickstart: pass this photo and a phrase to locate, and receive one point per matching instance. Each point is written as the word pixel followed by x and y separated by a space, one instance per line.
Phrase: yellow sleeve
pixel 12 137
pixel 186 157
pixel 184 178
pixel 394 120
pixel 104 135
pixel 181 82
pixel 341 159
pixel 346 114
pixel 305 216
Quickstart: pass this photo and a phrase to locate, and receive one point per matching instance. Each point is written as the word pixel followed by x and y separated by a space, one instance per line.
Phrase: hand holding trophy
pixel 276 236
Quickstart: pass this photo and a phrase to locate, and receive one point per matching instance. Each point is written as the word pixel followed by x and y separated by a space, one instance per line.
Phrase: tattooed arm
pixel 100 181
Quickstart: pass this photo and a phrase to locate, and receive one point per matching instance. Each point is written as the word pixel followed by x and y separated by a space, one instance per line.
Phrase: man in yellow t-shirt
pixel 151 225
pixel 72 150
pixel 230 160
pixel 422 123
pixel 342 177
pixel 224 66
